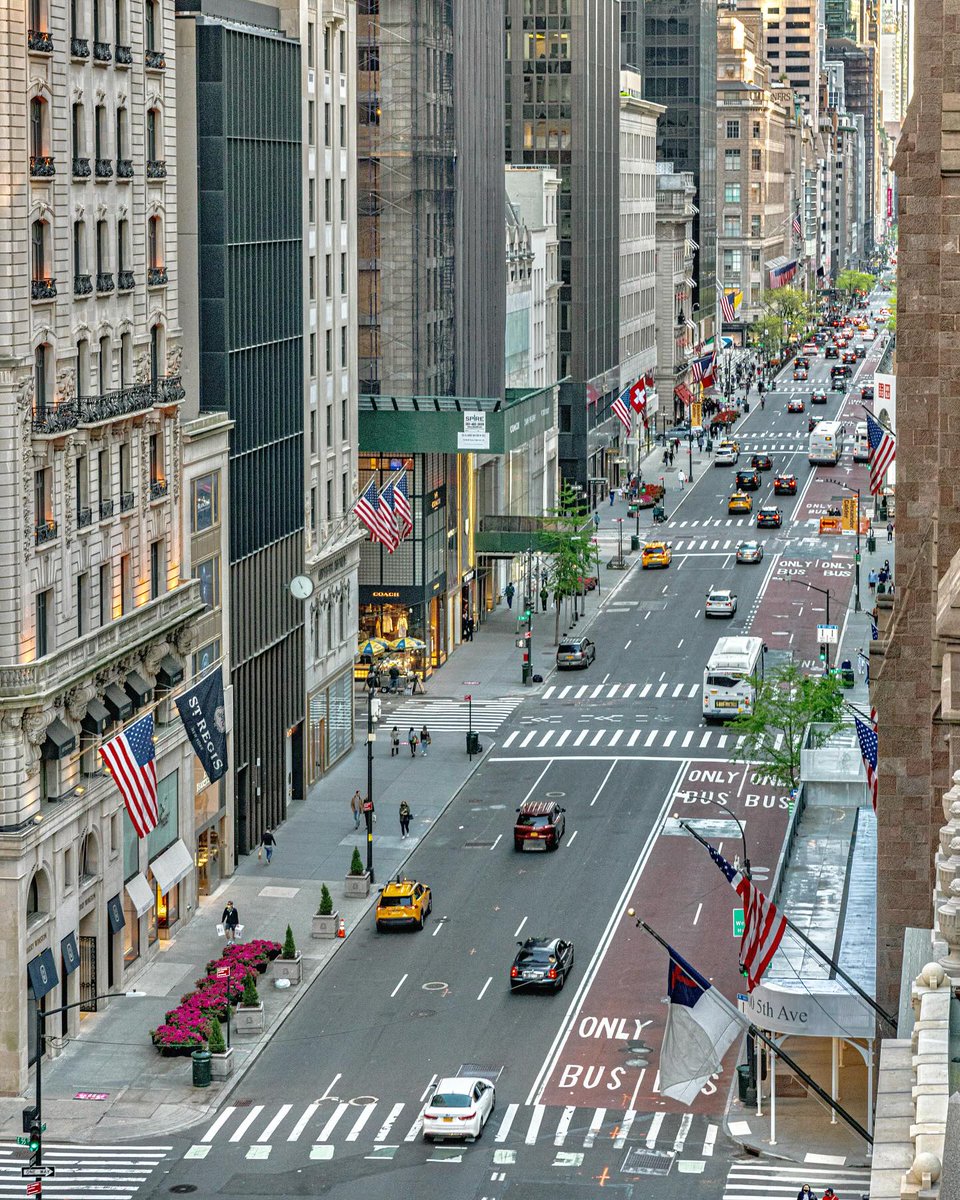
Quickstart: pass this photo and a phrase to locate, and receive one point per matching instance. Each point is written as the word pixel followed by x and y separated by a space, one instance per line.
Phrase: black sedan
pixel 761 462
pixel 541 963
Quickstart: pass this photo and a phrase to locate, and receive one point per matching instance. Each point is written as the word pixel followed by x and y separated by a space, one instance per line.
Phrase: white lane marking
pixel 436 929
pixel 247 1121
pixel 510 738
pixel 662 677
pixel 572 836
pixel 604 783
pixel 564 1124
pixel 508 1116
pixel 268 1132
pixel 680 643
pixel 403 980
pixel 646 615
pixel 359 1123
pixel 627 646
pixel 669 738
pixel 516 932
pixel 651 737
pixel 332 1121
pixel 536 1119
pixel 654 1129
pixel 414 1129
pixel 697 915
pixel 617 735
pixel 528 739
pixel 685 1122
pixel 645 691
pixel 494 846
pixel 546 738
pixel 384 1130
pixel 295 1132
pixel 563 736
pixel 549 692
pixel 218 1124
pixel 625 1126
pixel 485 986
pixel 595 1126
pixel 687 738
pixel 581 736
pixel 709 1141
pixel 628 691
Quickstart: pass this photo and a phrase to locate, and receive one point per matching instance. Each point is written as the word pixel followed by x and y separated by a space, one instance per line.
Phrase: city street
pixel 332 1107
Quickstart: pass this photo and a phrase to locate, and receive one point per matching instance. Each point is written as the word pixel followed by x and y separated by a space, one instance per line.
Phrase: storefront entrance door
pixel 88 973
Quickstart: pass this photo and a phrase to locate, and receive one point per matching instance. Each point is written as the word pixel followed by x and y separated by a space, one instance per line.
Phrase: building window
pixel 756 129
pixel 123 140
pixel 153 139
pixel 38 127
pixel 756 225
pixel 208 572
pixel 755 159
pixel 150 30
pixel 103 248
pixel 311 123
pixel 126 584
pixel 42 503
pixel 154 243
pixel 343 274
pixel 79 255
pixel 733 129
pixel 343 345
pixel 126 359
pixel 82 602
pixel 106 593
pixel 42 378
pixel 105 368
pixel 343 125
pixel 312 276
pixel 326 124
pixel 126 482
pixel 731 193
pixel 38 250
pixel 731 226
pixel 44 623
pixel 76 129
pixel 206 502
pixel 313 355
pixel 731 160
pixel 157 569
pixel 310 37
pixel 156 353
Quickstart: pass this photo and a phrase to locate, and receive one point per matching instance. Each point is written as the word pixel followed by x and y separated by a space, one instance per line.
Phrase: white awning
pixel 141 893
pixel 172 866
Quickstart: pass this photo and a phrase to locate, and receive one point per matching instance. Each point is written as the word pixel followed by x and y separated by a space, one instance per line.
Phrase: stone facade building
pixel 676 202
pixel 98 599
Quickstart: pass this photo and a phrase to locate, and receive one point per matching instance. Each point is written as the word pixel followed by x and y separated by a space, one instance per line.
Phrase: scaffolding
pixel 405 196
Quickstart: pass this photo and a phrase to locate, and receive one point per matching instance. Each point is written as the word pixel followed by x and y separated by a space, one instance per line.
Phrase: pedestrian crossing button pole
pixel 526 671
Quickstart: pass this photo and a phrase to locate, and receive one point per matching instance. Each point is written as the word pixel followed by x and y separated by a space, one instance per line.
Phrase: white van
pixel 826 442
pixel 861 444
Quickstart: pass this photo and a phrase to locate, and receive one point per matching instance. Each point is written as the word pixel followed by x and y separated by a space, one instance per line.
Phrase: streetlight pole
pixel 823 592
pixel 856 569
pixel 745 861
pixel 368 804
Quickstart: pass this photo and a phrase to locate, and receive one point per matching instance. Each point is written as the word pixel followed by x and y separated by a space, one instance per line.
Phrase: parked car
pixel 575 652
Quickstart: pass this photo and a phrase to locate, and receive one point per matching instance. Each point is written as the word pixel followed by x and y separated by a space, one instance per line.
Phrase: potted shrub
pixel 249 1018
pixel 288 965
pixel 221 1055
pixel 357 882
pixel 325 921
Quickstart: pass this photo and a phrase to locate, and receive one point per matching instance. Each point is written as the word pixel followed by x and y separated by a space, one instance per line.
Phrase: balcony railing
pixel 125 281
pixel 123 403
pixel 101 52
pixel 39 41
pixel 154 60
pixel 84 517
pixel 158 489
pixel 41 166
pixel 79 48
pixel 127 501
pixel 43 289
pixel 123 56
pixel 55 419
pixel 156 276
pixel 82 285
pixel 106 510
pixel 43 532
pixel 171 389
pixel 156 168
pixel 81 167
pixel 104 282
pixel 104 168
pixel 124 168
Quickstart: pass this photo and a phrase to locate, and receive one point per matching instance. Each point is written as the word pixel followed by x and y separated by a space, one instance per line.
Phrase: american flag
pixel 884 447
pixel 728 312
pixel 621 409
pixel 797 227
pixel 696 371
pixel 388 512
pixel 763 927
pixel 867 737
pixel 401 504
pixel 131 759
pixel 367 509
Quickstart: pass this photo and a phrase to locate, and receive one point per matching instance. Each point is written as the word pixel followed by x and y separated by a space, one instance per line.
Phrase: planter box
pixel 325 927
pixel 177 1051
pixel 248 1020
pixel 221 1065
pixel 357 886
pixel 288 968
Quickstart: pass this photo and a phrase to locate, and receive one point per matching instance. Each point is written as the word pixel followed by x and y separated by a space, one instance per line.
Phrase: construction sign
pixel 849 515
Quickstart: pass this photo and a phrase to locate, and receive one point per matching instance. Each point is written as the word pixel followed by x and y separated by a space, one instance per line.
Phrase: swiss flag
pixel 638 399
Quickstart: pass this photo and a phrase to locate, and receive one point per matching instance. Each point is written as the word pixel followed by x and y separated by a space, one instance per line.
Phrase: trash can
pixel 634 541
pixel 201 1068
pixel 871 543
pixel 743 1083
pixel 473 742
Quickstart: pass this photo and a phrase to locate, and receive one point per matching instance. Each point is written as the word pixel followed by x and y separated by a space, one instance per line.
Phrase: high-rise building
pixel 673 44
pixel 794 49
pixel 98 608
pixel 240 138
pixel 895 61
pixel 860 98
pixel 562 84
pixel 676 208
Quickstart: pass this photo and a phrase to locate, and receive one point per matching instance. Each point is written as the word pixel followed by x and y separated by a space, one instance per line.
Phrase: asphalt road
pixel 331 1108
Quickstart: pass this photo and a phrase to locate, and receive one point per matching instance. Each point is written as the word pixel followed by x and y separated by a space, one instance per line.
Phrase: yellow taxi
pixel 656 554
pixel 403 902
pixel 739 502
pixel 730 444
pixel 863 326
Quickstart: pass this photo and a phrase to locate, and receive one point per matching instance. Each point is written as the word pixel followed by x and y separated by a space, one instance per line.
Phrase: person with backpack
pixel 412 741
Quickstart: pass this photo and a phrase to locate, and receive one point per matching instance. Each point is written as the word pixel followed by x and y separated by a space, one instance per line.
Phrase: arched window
pixel 154 242
pixel 156 353
pixel 42 377
pixel 38 896
pixel 89 858
pixel 83 366
pixel 105 366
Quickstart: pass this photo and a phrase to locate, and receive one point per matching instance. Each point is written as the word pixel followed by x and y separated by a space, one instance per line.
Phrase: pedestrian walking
pixel 886 567
pixel 230 920
pixel 872 579
pixel 681 479
pixel 468 629
pixel 806 1193
pixel 394 677
pixel 394 742
pixel 883 576
pixel 405 815
pixel 267 843
pixel 356 807
pixel 613 497
pixel 509 591
pixel 544 597
pixel 830 1194
pixel 425 741
pixel 412 742
pixel 596 519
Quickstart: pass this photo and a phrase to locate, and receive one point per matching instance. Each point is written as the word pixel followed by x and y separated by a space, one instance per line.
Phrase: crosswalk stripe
pixel 536 1120
pixel 645 690
pixel 414 1129
pixel 625 1126
pixel 778 741
pixel 633 737
pixel 247 1121
pixel 580 737
pixel 563 1125
pixel 546 738
pixel 358 1125
pixel 580 691
pixel 268 1132
pixel 509 1113
pixel 384 1131
pixel 295 1132
pixel 332 1122
pixel 563 691
pixel 685 1122
pixel 660 690
pixel 654 1129
pixel 528 739
pixel 669 738
pixel 596 691
pixel 677 690
pixel 694 688
pixel 705 739
pixel 709 1141
pixel 598 737
pixel 511 738
pixel 687 738
pixel 651 737
pixel 628 690
pixel 218 1124
pixel 563 736
pixel 613 691
pixel 721 741
pixel 617 735
pixel 549 691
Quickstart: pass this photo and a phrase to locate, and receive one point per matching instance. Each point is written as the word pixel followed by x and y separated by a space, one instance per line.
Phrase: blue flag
pixel 202 711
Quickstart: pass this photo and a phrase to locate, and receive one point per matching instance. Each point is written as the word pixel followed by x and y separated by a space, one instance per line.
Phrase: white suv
pixel 726 457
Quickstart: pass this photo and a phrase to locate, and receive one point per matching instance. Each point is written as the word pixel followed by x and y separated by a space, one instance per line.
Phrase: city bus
pixel 826 442
pixel 729 679
pixel 861 444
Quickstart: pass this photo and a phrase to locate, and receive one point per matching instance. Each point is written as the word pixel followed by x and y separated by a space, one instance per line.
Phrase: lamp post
pixel 368 803
pixel 745 861
pixel 823 592
pixel 33 1118
pixel 856 569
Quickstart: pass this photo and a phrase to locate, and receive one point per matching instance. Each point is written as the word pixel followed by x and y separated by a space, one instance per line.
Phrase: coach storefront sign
pixel 811 1008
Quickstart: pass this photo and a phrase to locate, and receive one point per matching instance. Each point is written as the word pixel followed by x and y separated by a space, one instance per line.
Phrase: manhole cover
pixel 480 1071
pixel 647 1162
pixel 242 1103
pixel 183 1189
pixel 424 1012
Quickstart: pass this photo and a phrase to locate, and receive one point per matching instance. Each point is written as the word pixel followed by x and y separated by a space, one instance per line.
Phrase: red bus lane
pixel 611 1052
pixel 789 614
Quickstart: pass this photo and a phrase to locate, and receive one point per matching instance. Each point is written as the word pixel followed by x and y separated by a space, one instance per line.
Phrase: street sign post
pixel 828 634
pixel 38 1172
pixel 35 1188
pixel 738 923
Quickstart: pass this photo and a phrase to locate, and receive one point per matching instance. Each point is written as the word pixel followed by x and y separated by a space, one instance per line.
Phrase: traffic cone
pixel 342 931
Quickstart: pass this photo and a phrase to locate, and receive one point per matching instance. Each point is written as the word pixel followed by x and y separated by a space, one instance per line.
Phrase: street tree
pixel 567 534
pixel 788 703
pixel 766 334
pixel 892 305
pixel 849 283
pixel 791 306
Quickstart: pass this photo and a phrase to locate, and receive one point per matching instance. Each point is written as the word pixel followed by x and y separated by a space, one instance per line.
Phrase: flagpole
pixel 882 1013
pixel 753 1031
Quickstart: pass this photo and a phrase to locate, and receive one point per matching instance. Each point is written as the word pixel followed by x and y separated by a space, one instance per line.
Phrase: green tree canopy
pixel 791 307
pixel 851 282
pixel 787 703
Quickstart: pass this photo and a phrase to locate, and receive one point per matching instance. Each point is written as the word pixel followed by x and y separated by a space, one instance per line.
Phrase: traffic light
pixel 34 1143
pixel 30 1114
pixel 823 654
